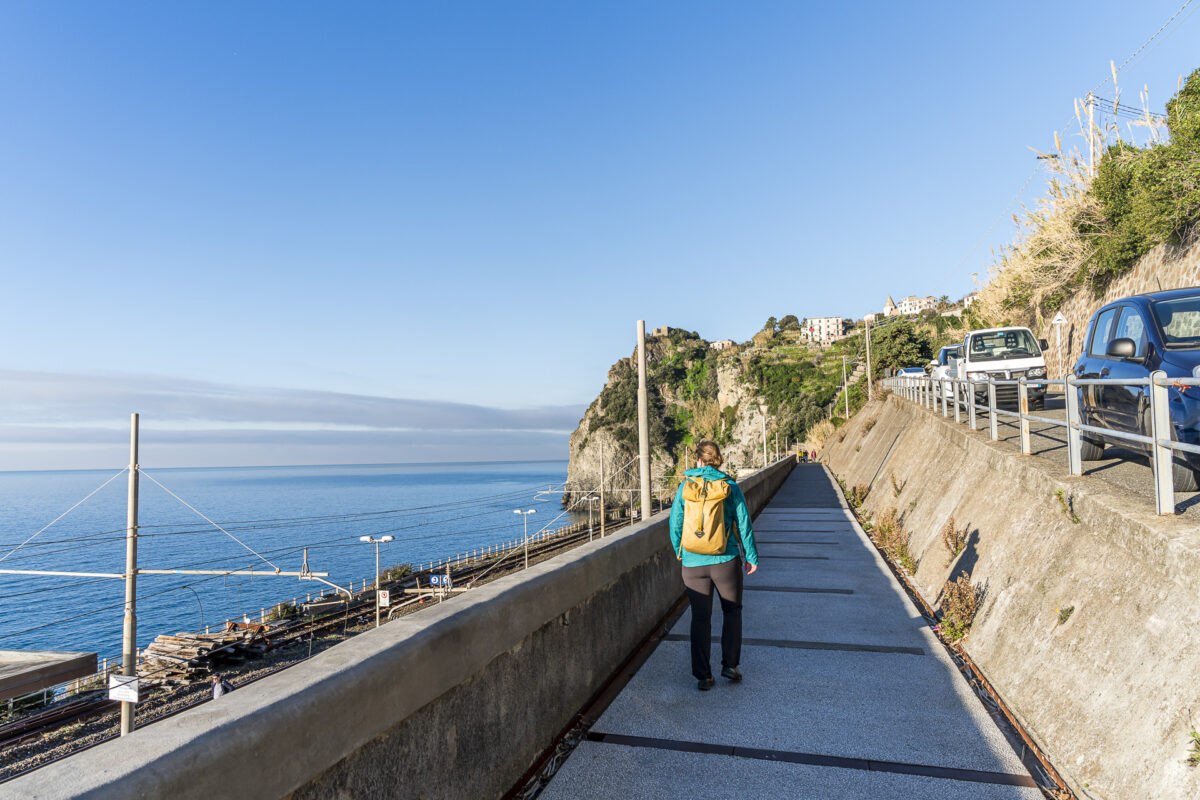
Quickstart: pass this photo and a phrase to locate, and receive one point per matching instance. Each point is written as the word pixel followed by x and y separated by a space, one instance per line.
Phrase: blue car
pixel 1129 339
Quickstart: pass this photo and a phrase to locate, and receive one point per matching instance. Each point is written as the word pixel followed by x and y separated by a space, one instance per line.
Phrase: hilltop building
pixel 915 305
pixel 889 308
pixel 722 344
pixel 823 330
pixel 662 330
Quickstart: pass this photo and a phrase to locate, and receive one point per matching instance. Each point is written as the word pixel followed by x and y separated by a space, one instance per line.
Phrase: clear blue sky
pixel 473 202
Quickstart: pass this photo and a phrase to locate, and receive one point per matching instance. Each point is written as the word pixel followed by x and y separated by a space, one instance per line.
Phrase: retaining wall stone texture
pixel 1165 267
pixel 1110 694
pixel 454 702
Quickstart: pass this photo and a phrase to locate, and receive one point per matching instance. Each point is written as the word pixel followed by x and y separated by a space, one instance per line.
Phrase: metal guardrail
pixel 960 396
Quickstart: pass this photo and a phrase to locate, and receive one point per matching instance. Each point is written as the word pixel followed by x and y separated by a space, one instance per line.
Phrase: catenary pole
pixel 643 424
pixel 129 637
pixel 603 507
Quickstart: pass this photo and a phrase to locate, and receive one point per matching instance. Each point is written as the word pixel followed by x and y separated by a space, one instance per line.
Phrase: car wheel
pixel 1038 404
pixel 1183 478
pixel 1090 450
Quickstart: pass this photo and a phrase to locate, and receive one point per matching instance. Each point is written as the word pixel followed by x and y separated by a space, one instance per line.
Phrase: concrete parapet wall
pixel 454 702
pixel 1111 693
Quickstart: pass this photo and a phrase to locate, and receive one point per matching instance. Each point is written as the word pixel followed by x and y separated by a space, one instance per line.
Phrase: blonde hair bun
pixel 708 453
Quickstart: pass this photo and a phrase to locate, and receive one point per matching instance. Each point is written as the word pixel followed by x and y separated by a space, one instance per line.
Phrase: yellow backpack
pixel 704 517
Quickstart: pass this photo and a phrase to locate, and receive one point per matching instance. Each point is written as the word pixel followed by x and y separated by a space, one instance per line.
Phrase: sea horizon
pixel 486 462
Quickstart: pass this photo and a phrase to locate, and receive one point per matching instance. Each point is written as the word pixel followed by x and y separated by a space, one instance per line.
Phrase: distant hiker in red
pixel 707 505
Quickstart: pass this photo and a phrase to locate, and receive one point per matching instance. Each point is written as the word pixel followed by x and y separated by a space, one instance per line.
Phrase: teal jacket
pixel 735 509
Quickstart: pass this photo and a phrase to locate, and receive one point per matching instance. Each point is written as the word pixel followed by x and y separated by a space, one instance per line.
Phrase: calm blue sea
pixel 433 511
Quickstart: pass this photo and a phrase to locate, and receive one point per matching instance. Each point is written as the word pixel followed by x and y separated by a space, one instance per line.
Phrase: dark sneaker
pixel 705 684
pixel 733 673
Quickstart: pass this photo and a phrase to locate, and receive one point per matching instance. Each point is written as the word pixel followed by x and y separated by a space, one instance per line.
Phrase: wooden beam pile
pixel 188 657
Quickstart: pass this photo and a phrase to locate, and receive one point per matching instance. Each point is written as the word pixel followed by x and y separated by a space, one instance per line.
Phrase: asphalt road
pixel 1121 466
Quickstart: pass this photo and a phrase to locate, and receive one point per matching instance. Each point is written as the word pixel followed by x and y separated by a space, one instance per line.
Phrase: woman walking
pixel 707 505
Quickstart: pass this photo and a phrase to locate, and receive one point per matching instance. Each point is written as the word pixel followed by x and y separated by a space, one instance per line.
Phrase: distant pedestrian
pixel 707 506
pixel 220 685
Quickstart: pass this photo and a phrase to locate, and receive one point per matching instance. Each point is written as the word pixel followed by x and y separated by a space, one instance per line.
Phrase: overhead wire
pixel 1115 71
pixel 68 511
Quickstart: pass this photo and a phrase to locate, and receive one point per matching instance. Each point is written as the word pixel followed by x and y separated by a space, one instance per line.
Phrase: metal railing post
pixel 970 398
pixel 1074 435
pixel 1023 409
pixel 957 407
pixel 930 401
pixel 942 392
pixel 1160 426
pixel 993 423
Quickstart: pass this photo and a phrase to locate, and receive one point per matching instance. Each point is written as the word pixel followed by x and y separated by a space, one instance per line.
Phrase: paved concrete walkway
pixel 847 694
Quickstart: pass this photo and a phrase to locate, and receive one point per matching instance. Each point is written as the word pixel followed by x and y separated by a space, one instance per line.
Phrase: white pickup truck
pixel 1004 354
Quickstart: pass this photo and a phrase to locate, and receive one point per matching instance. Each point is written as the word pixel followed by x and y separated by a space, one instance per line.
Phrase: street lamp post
pixel 591 500
pixel 525 515
pixel 376 542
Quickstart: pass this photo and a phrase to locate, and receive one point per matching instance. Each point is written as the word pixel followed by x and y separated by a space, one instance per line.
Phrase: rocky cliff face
pixel 695 392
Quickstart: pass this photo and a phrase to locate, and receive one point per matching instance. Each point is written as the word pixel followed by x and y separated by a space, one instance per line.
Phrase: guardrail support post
pixel 957 407
pixel 993 423
pixel 1074 464
pixel 970 398
pixel 1160 426
pixel 930 398
pixel 1023 409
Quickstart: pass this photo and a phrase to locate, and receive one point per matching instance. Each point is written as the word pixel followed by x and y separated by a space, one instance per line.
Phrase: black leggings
pixel 699 582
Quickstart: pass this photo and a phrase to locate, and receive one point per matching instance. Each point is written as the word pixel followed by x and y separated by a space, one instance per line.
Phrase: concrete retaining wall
pixel 454 702
pixel 1111 693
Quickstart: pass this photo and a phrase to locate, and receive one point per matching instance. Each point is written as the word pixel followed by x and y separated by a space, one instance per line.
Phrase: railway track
pixel 46 723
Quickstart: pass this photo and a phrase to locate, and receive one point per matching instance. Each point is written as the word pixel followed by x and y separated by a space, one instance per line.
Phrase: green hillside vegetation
pixel 1087 232
pixel 800 384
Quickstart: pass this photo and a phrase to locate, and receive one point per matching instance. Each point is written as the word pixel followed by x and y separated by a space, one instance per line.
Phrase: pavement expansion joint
pixel 815 759
pixel 798 558
pixel 798 589
pixel 848 647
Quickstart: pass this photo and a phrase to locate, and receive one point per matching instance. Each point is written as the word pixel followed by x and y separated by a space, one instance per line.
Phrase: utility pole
pixel 129 638
pixel 643 425
pixel 603 507
pixel 845 388
pixel 764 433
pixel 870 375
pixel 1091 114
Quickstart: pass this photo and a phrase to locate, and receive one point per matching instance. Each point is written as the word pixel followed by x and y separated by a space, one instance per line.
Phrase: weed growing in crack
pixel 1193 759
pixel 858 495
pixel 891 538
pixel 1068 505
pixel 960 601
pixel 897 487
pixel 868 425
pixel 954 538
pixel 1064 614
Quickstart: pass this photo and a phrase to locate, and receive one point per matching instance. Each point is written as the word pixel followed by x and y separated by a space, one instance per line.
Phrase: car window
pixel 1100 336
pixel 1179 320
pixel 1131 326
pixel 999 345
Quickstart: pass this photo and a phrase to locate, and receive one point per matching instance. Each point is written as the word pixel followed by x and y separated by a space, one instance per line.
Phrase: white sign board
pixel 1059 319
pixel 123 688
pixel 385 598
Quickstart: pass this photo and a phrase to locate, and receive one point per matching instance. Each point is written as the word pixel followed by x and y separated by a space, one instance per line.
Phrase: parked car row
pixel 1125 340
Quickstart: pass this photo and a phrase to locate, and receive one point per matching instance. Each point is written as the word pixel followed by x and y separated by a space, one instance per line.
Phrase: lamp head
pixel 365 539
pixel 387 538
